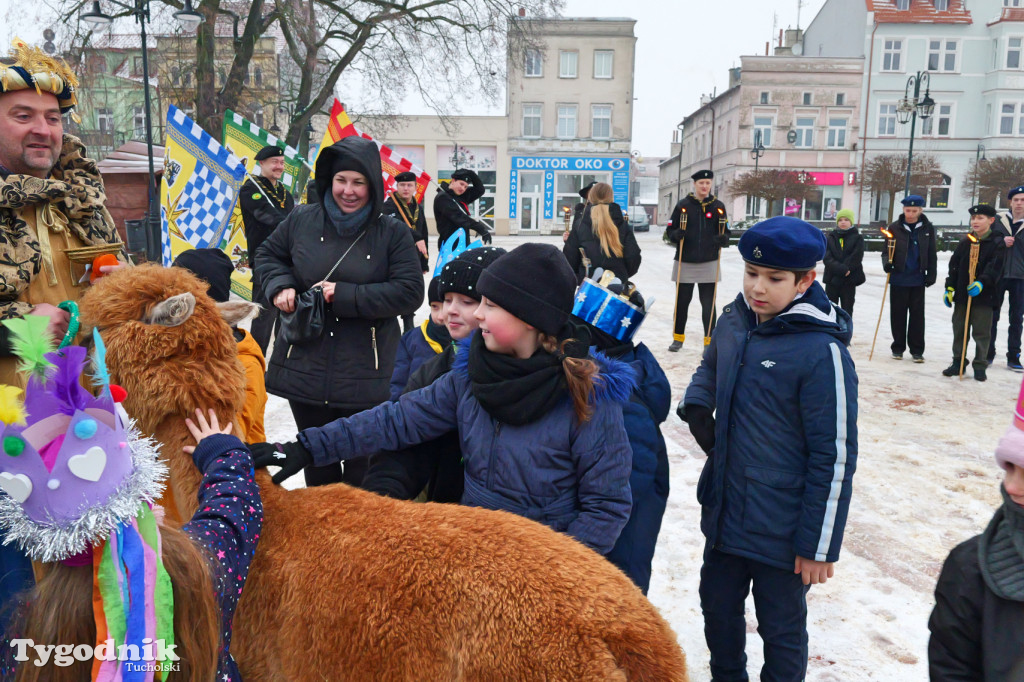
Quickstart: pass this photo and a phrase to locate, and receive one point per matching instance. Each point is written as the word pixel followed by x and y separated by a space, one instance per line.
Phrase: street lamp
pixel 979 158
pixel 757 151
pixel 139 9
pixel 909 108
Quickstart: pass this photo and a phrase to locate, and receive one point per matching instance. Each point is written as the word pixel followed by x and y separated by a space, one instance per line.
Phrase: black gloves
pixel 291 457
pixel 722 240
pixel 485 236
pixel 886 266
pixel 702 425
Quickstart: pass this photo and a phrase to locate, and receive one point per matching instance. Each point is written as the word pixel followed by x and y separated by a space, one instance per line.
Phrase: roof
pixel 920 12
pixel 101 40
pixel 131 158
pixel 1010 14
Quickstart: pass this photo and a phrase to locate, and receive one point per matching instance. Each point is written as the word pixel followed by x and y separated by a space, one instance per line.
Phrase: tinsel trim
pixel 50 541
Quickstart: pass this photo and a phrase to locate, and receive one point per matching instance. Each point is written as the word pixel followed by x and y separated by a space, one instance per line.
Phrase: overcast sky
pixel 684 49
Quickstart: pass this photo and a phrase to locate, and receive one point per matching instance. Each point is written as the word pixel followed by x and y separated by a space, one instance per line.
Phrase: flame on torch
pixel 973 238
pixel 887 233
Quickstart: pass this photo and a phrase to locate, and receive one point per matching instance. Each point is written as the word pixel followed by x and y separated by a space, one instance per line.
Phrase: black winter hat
pixel 212 266
pixel 269 152
pixel 405 176
pixel 433 293
pixel 462 274
pixel 465 174
pixel 347 163
pixel 533 282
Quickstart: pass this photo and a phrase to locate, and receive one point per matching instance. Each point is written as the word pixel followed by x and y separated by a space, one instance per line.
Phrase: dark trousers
pixel 1015 288
pixel 684 294
pixel 907 303
pixel 980 328
pixel 842 294
pixel 262 328
pixel 407 322
pixel 780 600
pixel 15 577
pixel 350 471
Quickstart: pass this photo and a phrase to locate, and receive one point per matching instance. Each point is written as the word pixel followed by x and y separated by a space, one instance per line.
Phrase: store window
pixel 567 187
pixel 938 195
pixel 481 160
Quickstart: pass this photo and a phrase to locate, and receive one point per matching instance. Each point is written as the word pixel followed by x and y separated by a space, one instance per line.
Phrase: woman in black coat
pixel 348 368
pixel 602 239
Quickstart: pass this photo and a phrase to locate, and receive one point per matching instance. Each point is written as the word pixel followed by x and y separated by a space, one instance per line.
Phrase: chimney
pixel 522 12
pixel 793 36
pixel 780 37
pixel 734 76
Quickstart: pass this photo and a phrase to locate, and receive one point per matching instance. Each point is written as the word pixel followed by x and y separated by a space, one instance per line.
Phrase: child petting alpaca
pixel 540 421
pixel 115 575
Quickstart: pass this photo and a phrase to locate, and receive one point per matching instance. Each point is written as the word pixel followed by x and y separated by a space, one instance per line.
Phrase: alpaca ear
pixel 173 311
pixel 234 312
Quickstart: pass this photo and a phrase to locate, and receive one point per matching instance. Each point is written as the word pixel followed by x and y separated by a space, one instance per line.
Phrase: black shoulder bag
pixel 306 322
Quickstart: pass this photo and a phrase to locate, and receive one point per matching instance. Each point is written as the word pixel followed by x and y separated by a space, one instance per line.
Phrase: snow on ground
pixel 926 480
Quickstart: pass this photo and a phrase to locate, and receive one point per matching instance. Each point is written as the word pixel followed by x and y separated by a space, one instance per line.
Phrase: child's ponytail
pixel 580 373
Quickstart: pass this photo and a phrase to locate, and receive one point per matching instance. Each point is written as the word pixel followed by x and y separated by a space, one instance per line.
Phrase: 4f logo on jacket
pixel 768 363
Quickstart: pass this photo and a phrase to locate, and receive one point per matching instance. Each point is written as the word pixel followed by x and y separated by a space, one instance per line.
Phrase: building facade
pixel 803 111
pixel 569 117
pixel 973 56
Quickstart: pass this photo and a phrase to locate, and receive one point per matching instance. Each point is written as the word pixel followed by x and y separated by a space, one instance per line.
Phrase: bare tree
pixel 887 173
pixel 773 185
pixel 991 178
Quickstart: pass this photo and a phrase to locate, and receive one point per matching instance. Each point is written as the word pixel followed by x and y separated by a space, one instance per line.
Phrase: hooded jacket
pixel 927 261
pixel 844 252
pixel 700 239
pixel 416 347
pixel 989 270
pixel 451 211
pixel 779 481
pixel 570 476
pixel 583 236
pixel 1013 264
pixel 350 365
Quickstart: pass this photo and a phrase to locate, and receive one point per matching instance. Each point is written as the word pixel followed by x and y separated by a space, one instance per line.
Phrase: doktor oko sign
pixel 617 167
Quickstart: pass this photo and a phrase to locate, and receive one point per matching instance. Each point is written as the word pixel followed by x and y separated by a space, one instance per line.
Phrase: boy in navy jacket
pixel 422 343
pixel 776 488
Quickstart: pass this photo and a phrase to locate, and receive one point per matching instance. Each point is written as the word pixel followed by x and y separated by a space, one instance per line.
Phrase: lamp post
pixel 979 157
pixel 139 9
pixel 910 108
pixel 757 151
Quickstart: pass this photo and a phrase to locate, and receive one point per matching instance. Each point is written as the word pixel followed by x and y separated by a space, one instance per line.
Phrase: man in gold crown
pixel 51 195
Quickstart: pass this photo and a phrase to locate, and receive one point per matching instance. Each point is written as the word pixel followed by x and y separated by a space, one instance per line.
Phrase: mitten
pixel 291 457
pixel 947 297
pixel 975 288
pixel 722 240
pixel 485 236
pixel 886 266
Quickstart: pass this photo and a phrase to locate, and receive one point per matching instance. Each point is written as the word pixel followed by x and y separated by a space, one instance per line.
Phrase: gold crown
pixel 27 67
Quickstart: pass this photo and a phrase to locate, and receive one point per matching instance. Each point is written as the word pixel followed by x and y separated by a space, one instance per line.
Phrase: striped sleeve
pixel 829 408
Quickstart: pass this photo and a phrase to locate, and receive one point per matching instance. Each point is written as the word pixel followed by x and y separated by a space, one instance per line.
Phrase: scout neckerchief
pixel 403 208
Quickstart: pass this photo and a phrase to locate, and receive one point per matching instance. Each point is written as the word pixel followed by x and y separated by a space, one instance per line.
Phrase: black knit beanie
pixel 461 275
pixel 433 294
pixel 211 265
pixel 344 162
pixel 533 282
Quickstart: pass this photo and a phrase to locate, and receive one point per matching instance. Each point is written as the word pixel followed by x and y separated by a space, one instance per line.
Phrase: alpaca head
pixel 168 343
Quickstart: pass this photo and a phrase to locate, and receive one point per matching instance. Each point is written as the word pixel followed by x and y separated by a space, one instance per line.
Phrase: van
pixel 637 218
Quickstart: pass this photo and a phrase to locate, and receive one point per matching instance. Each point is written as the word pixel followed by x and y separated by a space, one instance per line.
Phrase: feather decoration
pixel 12 407
pixel 100 374
pixel 64 383
pixel 31 343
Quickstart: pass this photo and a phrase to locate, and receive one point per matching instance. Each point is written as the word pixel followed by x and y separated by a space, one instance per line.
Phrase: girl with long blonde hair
pixel 602 239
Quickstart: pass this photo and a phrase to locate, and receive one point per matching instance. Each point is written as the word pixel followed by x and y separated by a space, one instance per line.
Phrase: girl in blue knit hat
pixel 539 419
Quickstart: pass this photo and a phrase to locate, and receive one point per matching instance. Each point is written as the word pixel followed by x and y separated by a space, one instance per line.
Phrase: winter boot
pixel 918 358
pixel 677 343
pixel 952 370
pixel 979 374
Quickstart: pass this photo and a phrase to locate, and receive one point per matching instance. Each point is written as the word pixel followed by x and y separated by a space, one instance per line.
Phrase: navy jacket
pixel 414 348
pixel 779 481
pixel 927 259
pixel 643 415
pixel 989 269
pixel 569 476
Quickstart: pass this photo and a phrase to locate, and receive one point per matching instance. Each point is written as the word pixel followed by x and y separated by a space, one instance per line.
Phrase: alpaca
pixel 347 585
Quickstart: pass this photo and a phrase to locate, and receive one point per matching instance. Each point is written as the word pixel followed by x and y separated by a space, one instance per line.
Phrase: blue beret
pixel 1015 191
pixel 783 243
pixel 913 200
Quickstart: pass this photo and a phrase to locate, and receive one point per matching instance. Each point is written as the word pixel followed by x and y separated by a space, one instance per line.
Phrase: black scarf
pixel 438 333
pixel 516 391
pixel 1001 551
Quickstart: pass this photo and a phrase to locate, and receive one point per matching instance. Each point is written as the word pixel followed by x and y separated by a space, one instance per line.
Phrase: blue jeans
pixel 780 600
pixel 1015 288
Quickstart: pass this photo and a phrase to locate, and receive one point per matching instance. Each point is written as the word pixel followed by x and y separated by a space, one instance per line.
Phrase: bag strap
pixel 343 256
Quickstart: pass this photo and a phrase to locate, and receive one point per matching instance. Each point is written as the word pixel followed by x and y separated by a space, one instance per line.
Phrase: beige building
pixel 806 113
pixel 570 117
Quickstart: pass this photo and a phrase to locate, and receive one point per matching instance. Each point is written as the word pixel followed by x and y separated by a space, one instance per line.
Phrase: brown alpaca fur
pixel 347 585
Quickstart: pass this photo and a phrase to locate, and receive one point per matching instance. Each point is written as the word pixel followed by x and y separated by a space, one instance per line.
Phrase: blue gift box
pixel 606 311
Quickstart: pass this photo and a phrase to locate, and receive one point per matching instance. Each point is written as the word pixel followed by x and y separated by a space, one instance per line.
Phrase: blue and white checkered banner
pixel 200 187
pixel 603 309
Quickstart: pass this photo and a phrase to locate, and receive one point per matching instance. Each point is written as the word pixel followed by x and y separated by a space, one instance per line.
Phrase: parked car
pixel 637 218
